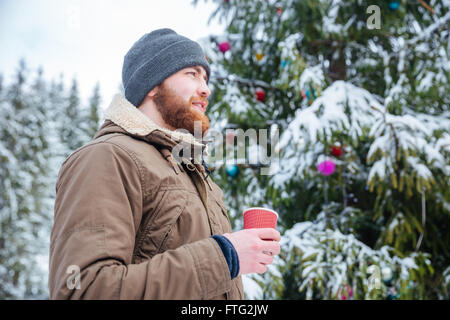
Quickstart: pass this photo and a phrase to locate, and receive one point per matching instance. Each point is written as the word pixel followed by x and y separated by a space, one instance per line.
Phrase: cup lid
pixel 260 208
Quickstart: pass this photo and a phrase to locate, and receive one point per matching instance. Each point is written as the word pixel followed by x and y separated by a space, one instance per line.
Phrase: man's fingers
pixel 268 234
pixel 265 259
pixel 272 246
pixel 261 268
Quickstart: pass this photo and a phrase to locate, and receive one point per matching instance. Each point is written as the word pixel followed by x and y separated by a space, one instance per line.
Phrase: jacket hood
pixel 123 117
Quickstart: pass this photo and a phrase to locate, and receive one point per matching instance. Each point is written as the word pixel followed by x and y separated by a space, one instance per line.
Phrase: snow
pixel 379 169
pixel 251 288
pixel 390 125
pixel 421 170
pixel 312 75
pixel 314 241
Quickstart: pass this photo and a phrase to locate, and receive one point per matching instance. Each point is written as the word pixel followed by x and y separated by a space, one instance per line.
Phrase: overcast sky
pixel 88 39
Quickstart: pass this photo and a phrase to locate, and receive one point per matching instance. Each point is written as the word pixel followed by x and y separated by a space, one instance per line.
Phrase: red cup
pixel 260 218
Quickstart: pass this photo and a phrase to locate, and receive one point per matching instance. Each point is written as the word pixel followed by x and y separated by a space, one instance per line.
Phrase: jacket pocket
pixel 190 226
pixel 162 246
pixel 157 229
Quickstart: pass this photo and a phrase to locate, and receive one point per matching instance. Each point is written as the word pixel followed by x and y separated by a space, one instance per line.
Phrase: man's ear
pixel 151 94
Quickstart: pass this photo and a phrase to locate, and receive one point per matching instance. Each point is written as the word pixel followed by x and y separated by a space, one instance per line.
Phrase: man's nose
pixel 203 89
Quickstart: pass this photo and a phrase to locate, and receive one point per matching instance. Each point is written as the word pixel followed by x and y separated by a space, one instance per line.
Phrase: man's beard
pixel 178 113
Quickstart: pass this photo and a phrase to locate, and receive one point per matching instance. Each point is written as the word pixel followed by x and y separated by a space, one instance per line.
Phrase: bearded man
pixel 131 220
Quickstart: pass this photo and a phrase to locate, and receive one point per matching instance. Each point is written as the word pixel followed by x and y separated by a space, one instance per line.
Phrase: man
pixel 130 221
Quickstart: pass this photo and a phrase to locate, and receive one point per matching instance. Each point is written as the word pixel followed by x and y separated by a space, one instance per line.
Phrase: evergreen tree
pixel 56 100
pixel 71 120
pixel 93 118
pixel 361 184
pixel 24 198
pixel 40 125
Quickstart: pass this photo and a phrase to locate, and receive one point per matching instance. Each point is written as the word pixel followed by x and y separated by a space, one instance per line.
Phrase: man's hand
pixel 250 245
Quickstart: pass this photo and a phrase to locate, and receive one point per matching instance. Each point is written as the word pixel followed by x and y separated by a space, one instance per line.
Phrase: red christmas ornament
pixel 224 46
pixel 279 11
pixel 260 94
pixel 336 151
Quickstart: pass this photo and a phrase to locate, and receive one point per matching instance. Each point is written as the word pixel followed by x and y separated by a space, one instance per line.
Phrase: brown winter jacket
pixel 136 222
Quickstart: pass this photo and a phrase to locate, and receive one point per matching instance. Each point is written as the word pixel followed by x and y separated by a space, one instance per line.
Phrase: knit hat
pixel 156 56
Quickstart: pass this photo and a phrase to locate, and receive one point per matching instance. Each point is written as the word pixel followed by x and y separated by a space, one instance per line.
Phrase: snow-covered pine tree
pixel 56 94
pixel 25 203
pixel 374 103
pixel 70 123
pixel 78 123
pixel 93 117
pixel 34 141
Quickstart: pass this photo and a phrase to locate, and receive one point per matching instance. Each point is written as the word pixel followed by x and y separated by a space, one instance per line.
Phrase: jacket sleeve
pixel 98 208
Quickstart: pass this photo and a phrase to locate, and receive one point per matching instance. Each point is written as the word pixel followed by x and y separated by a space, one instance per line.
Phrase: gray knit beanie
pixel 156 56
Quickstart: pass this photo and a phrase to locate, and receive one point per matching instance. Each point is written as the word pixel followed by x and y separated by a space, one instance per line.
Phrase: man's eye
pixel 193 73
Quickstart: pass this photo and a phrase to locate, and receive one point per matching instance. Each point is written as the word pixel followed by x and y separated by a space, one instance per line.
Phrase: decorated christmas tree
pixel 358 95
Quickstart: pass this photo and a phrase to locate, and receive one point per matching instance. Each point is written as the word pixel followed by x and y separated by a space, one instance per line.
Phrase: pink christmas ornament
pixel 326 167
pixel 347 294
pixel 224 46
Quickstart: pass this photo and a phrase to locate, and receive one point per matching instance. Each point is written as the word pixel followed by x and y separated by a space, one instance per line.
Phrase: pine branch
pixel 435 27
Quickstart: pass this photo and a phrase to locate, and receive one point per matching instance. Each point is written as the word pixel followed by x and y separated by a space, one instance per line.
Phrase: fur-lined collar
pixel 131 119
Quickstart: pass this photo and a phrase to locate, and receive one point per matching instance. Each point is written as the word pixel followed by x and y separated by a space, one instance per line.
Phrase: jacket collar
pixel 125 115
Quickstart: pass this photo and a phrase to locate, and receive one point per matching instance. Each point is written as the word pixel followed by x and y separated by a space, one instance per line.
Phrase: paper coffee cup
pixel 260 218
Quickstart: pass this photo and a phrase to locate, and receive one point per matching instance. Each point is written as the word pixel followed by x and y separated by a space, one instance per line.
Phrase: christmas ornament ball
pixel 308 94
pixel 387 273
pixel 259 56
pixel 326 167
pixel 285 63
pixel 260 94
pixel 347 293
pixel 232 170
pixel 336 151
pixel 279 10
pixel 224 46
pixel 394 5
